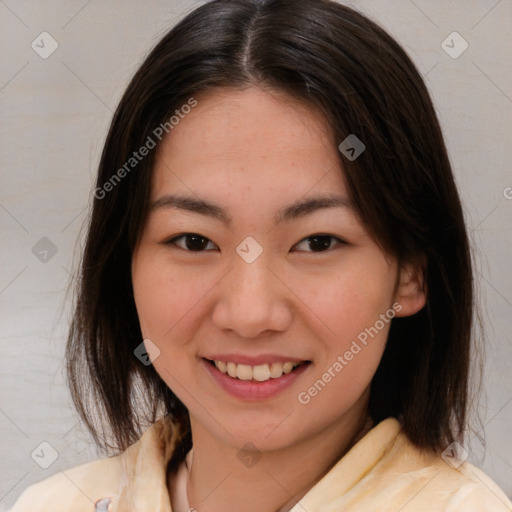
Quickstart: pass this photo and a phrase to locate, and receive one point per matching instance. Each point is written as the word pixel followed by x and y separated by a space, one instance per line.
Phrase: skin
pixel 253 152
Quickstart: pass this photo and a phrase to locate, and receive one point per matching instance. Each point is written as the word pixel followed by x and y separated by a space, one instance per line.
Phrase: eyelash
pixel 172 241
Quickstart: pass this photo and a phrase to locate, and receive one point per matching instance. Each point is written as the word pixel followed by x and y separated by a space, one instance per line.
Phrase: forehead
pixel 249 144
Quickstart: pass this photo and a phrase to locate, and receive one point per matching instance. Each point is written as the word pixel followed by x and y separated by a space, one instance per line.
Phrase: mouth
pixel 258 373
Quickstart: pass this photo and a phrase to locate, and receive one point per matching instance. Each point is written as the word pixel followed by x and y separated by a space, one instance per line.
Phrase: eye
pixel 192 242
pixel 317 243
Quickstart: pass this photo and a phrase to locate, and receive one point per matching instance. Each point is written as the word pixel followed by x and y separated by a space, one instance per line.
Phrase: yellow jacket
pixel 382 472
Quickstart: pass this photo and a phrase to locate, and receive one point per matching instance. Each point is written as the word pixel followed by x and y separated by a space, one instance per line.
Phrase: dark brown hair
pixel 345 66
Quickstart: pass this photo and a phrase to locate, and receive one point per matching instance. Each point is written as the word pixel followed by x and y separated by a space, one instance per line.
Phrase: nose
pixel 252 298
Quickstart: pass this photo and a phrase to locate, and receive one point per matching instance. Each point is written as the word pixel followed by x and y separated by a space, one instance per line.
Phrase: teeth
pixel 230 369
pixel 276 370
pixel 287 367
pixel 260 373
pixel 244 371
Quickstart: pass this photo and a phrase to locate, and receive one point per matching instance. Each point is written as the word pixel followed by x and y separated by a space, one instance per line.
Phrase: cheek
pixel 348 300
pixel 166 300
pixel 356 314
pixel 165 295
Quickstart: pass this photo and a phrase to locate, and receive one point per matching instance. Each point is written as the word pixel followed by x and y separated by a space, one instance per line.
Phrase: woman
pixel 277 285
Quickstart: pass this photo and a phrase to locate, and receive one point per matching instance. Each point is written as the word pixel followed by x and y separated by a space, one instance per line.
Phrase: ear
pixel 411 292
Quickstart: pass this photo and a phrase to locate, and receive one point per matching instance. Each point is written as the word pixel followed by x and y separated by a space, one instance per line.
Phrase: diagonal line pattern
pixel 67 271
pixel 501 501
pixel 308 191
pixel 13 218
pixel 216 487
pixel 77 486
pixel 279 483
pixel 486 14
pixel 70 430
pixel 279 424
pixel 13 77
pixel 13 13
pixel 183 183
pixel 425 14
pixel 198 402
pixel 75 15
pixel 494 416
pixel 297 502
pixel 492 81
pixel 409 501
pixel 86 86
pixel 488 215
pixel 431 69
pixel 17 426
pixel 496 290
pixel 204 295
pixel 301 301
pixel 481 19
pixel 13 279
pixel 13 487
pixel 73 219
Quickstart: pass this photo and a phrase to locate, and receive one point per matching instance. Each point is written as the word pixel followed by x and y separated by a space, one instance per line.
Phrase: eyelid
pixel 172 241
pixel 327 235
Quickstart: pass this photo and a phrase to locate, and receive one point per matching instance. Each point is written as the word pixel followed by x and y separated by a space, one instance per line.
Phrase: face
pixel 252 256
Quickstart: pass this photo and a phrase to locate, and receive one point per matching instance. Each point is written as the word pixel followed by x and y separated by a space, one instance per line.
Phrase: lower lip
pixel 251 389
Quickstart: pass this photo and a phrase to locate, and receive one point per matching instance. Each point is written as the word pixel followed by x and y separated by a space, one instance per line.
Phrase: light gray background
pixel 55 113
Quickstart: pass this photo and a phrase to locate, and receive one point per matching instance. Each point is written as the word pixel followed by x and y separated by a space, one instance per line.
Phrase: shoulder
pixel 75 490
pixel 438 481
pixel 123 478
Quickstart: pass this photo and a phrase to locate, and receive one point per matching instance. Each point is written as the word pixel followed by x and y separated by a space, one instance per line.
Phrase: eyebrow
pixel 295 210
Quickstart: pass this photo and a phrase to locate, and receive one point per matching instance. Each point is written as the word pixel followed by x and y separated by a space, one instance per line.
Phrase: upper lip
pixel 253 360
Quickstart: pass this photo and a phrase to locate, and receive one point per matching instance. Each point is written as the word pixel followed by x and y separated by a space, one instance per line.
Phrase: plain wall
pixel 54 117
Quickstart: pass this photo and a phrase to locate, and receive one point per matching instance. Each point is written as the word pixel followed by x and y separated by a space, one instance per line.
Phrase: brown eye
pixel 318 243
pixel 192 242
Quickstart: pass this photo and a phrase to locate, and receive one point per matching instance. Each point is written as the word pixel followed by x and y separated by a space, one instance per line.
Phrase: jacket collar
pixel 144 476
pixel 143 483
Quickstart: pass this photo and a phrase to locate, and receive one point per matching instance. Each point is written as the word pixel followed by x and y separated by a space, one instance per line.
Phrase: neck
pixel 273 481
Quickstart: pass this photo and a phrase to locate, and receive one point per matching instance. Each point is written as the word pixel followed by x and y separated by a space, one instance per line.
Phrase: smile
pixel 260 373
pixel 257 381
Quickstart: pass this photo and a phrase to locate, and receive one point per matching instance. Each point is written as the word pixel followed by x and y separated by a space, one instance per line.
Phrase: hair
pixel 343 65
